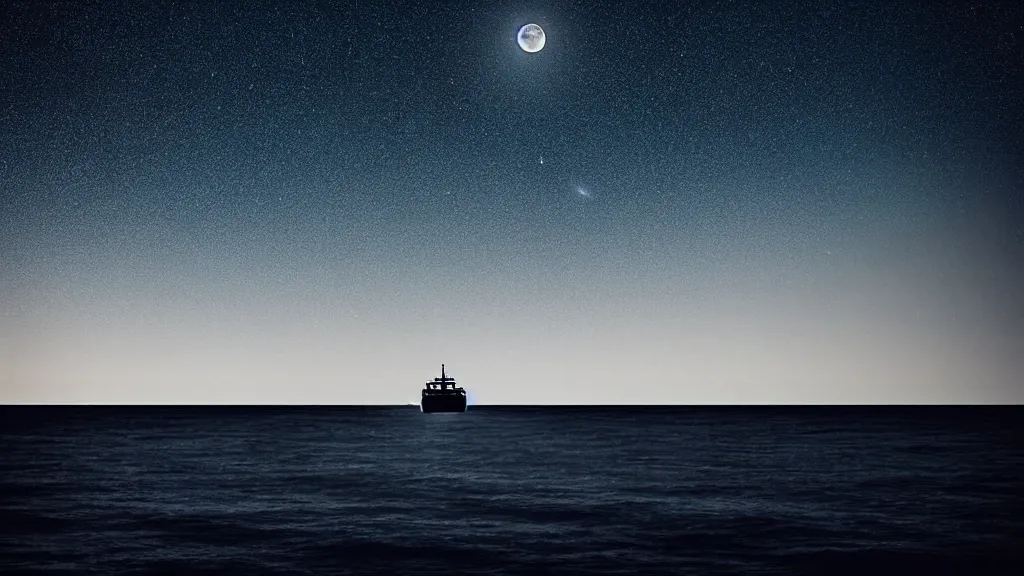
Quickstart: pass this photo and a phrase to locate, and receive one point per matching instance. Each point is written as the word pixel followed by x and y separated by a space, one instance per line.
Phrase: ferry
pixel 442 395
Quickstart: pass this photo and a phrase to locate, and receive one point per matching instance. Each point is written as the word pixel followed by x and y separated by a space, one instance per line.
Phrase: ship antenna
pixel 442 372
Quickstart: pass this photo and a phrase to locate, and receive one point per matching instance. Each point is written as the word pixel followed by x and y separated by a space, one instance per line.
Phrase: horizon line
pixel 410 406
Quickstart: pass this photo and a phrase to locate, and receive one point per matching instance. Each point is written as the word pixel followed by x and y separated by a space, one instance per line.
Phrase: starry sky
pixel 320 202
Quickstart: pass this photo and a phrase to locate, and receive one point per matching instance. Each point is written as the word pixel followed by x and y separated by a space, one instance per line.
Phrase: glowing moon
pixel 531 38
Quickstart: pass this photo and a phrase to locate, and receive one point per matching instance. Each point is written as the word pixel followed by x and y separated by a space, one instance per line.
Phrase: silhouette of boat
pixel 441 395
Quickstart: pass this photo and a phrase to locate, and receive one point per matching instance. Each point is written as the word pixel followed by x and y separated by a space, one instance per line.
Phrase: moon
pixel 531 38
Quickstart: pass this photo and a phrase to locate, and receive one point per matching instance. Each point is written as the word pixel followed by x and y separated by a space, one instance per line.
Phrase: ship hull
pixel 438 403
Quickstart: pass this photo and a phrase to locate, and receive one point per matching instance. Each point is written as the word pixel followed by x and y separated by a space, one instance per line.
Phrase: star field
pixel 728 201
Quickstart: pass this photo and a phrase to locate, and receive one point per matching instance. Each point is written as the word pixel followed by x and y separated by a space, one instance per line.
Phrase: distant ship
pixel 441 395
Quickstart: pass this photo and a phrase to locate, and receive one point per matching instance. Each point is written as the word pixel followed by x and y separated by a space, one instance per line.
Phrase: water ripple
pixel 502 491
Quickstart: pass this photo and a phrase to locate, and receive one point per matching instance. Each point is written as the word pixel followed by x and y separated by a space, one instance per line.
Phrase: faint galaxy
pixel 248 202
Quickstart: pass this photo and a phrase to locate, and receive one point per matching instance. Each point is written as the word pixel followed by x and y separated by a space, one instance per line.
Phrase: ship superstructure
pixel 442 395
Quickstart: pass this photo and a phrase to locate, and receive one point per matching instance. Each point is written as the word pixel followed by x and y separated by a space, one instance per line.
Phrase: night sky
pixel 672 202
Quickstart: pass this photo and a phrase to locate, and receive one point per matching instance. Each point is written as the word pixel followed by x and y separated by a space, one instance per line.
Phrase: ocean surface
pixel 511 490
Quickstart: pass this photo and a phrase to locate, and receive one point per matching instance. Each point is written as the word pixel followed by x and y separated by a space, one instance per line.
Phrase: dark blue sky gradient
pixel 319 202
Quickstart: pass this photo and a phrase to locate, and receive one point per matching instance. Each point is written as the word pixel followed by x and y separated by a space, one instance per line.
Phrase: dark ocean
pixel 513 490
